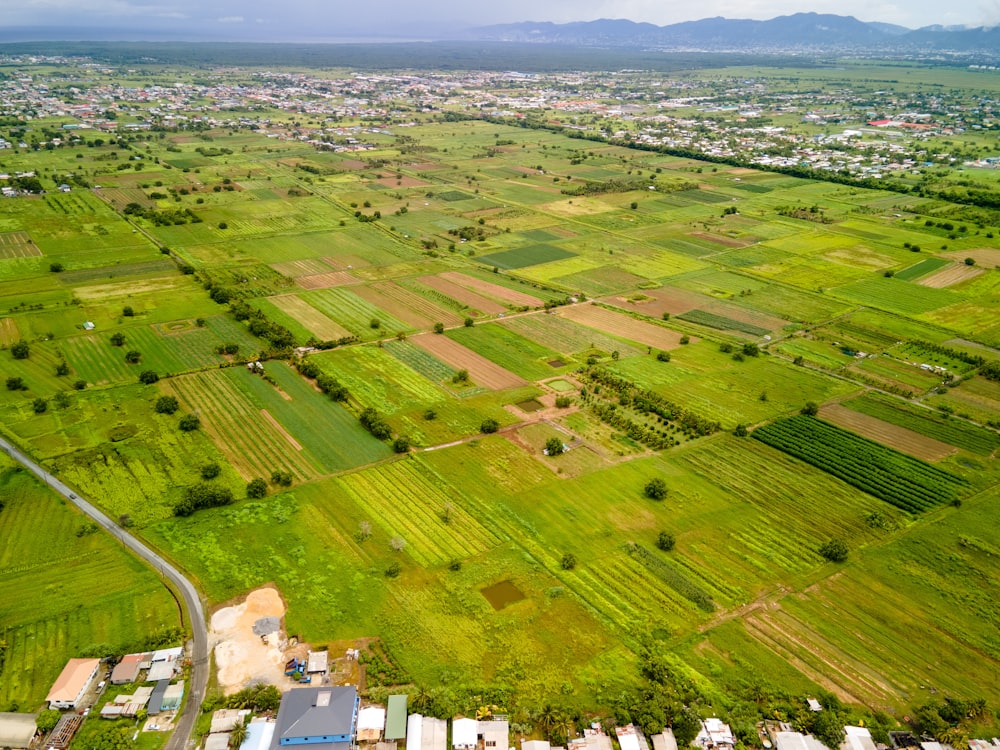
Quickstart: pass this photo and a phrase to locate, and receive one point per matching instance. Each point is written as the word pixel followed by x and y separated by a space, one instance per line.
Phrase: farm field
pixel 433 295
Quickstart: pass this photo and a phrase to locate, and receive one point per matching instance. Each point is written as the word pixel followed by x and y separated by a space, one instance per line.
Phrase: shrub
pixel 468 322
pixel 726 348
pixel 79 384
pixel 16 384
pixel 685 339
pixel 128 312
pixel 203 495
pixel 401 445
pixel 189 422
pixel 133 356
pixel 281 478
pixel 439 328
pixel 741 430
pixel 256 488
pixel 210 471
pixel 20 350
pixel 811 409
pixel 40 405
pixel 430 415
pixel 148 377
pixel 62 368
pixel 568 561
pixel 665 541
pixel 489 426
pixel 663 356
pixel 393 570
pixel 166 405
pixel 655 489
pixel 970 261
pixel 117 338
pixel 834 550
pixel 56 267
pixel 554 446
pixel 563 402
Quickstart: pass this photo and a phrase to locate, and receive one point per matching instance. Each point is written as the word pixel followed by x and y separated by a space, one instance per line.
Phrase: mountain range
pixel 797 31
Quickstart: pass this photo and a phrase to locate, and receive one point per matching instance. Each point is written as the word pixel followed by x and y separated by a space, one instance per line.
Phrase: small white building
pixel 464 734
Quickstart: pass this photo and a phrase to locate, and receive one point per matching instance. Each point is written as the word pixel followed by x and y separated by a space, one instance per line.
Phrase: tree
pixel 20 350
pixel 166 405
pixel 811 409
pixel 62 368
pixel 132 356
pixel 128 312
pixel 686 726
pixel 364 530
pixel 47 720
pixel 61 400
pixel 79 384
pixel 282 478
pixel 834 550
pixel 554 446
pixel 148 377
pixel 665 541
pixel 15 383
pixel 56 267
pixel 489 426
pixel 239 734
pixel 970 261
pixel 430 415
pixel 256 488
pixel 663 356
pixel 439 328
pixel 393 570
pixel 468 322
pixel 189 422
pixel 375 324
pixel 741 430
pixel 210 471
pixel 462 376
pixel 117 338
pixel 40 405
pixel 655 489
pixel 568 561
pixel 401 444
pixel 397 543
pixel 685 339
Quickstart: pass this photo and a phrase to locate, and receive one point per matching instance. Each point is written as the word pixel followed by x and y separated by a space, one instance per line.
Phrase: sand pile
pixel 241 656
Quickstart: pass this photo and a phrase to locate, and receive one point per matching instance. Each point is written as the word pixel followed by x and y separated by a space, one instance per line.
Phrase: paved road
pixel 198 679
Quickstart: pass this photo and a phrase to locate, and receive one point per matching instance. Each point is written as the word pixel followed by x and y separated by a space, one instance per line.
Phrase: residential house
pixel 324 718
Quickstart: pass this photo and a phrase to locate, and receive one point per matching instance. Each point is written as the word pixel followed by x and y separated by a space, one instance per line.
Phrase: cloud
pixel 230 19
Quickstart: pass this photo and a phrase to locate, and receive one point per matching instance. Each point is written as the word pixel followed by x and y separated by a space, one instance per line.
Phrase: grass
pixel 111 598
pixel 518 354
pixel 524 257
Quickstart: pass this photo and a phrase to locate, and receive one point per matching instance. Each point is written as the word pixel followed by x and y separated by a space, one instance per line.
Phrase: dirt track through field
pixel 900 438
pixel 482 371
pixel 618 324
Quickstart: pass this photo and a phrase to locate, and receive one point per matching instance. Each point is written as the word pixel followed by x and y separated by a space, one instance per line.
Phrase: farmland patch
pixel 509 296
pixel 465 296
pixel 523 257
pixel 900 438
pixel 482 371
pixel 951 276
pixel 618 324
pixel 17 245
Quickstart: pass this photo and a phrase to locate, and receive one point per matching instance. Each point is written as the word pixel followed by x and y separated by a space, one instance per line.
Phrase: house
pixel 161 670
pixel 536 745
pixel 227 719
pixel 73 682
pixel 797 741
pixel 858 738
pixel 217 741
pixel 628 738
pixel 259 735
pixel 495 734
pixel 173 696
pixel 324 718
pixel 127 670
pixel 371 722
pixel 715 734
pixel 464 734
pixel 593 738
pixel 426 733
pixel 155 704
pixel 16 730
pixel 395 718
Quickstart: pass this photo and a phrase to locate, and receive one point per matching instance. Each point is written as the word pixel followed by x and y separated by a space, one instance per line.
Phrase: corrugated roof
pixel 395 718
pixel 16 730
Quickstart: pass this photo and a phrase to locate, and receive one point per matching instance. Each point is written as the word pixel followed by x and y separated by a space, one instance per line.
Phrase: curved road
pixel 198 679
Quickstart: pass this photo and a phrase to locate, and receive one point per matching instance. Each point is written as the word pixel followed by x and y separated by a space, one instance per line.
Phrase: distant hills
pixel 798 31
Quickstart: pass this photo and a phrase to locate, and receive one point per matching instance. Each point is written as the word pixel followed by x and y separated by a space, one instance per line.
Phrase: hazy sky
pixel 318 19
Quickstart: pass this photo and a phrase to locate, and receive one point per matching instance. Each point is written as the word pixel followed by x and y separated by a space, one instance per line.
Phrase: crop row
pixel 417 303
pixel 563 335
pixel 713 320
pixel 353 313
pixel 420 361
pixel 889 475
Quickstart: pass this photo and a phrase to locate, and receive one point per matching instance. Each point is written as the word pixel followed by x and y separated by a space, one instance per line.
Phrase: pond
pixel 530 405
pixel 499 595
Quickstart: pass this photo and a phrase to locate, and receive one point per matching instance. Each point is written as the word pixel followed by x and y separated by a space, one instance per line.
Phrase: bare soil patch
pixel 404 181
pixel 241 656
pixel 8 332
pixel 618 324
pixel 352 164
pixel 721 239
pixel 984 256
pixel 493 290
pixel 891 435
pixel 327 280
pixel 659 301
pixel 482 371
pixel 950 276
pixel 463 295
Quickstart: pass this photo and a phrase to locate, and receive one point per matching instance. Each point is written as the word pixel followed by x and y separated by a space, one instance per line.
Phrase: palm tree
pixel 547 719
pixel 239 734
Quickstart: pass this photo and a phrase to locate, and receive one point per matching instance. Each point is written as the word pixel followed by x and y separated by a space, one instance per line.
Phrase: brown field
pixel 403 181
pixel 352 164
pixel 346 262
pixel 306 267
pixel 721 239
pixel 327 280
pixel 280 430
pixel 950 276
pixel 900 438
pixel 743 315
pixel 407 306
pixel 482 371
pixel 493 290
pixel 309 316
pixel 984 256
pixel 618 324
pixel 424 166
pixel 17 245
pixel 667 299
pixel 463 295
pixel 8 332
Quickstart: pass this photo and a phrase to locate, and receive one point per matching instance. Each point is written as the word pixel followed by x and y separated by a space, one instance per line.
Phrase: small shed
pixel 217 741
pixel 434 734
pixel 371 722
pixel 160 670
pixel 665 741
pixel 155 704
pixel 464 734
pixel 88 325
pixel 628 737
pixel 173 696
pixel 259 734
pixel 395 718
pixel 16 730
pixel 318 662
pixel 414 732
pixel 227 719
